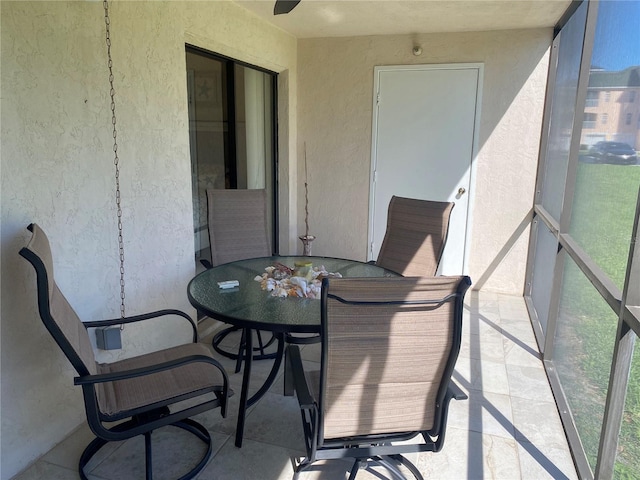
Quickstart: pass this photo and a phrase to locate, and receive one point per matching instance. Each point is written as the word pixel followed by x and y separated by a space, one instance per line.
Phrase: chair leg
pixel 147 456
pixel 94 446
pixel 357 464
pixel 410 466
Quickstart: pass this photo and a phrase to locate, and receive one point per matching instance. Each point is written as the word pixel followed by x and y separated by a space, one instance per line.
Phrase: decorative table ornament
pixel 304 280
pixel 306 238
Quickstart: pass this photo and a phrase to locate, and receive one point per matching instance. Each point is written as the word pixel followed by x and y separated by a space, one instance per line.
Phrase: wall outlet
pixel 108 338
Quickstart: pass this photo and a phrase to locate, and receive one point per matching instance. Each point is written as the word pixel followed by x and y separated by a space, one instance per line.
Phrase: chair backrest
pixel 237 224
pixel 388 352
pixel 415 237
pixel 55 311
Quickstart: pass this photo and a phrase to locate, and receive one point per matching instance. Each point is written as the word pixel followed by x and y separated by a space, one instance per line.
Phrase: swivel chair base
pixel 391 463
pixel 187 424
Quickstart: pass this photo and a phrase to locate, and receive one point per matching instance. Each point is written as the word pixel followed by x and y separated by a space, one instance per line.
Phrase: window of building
pixel 628 119
pixel 590 120
pixel 592 98
pixel 604 118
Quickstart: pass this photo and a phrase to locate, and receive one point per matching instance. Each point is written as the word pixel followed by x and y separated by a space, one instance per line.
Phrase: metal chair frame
pixel 142 420
pixel 377 449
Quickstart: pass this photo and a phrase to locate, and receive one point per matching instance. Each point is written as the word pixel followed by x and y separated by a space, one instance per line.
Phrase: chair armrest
pixel 305 399
pixel 455 392
pixel 437 434
pixel 150 370
pixel 144 316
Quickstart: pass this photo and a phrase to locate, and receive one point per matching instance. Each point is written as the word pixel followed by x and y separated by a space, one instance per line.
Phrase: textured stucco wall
pixel 335 81
pixel 57 170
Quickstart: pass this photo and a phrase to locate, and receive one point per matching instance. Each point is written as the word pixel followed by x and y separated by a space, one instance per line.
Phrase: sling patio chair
pixel 237 231
pixel 415 237
pixel 413 243
pixel 389 347
pixel 137 395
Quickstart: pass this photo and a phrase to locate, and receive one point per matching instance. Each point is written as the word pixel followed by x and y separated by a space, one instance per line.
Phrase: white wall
pixel 57 170
pixel 335 113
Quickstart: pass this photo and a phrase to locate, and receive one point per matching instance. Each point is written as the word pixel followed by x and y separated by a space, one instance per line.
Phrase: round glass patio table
pixel 250 307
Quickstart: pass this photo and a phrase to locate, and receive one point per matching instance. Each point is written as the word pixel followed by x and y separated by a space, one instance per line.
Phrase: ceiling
pixel 341 18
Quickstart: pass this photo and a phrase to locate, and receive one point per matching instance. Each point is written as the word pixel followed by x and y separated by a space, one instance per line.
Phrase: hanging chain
pixel 116 160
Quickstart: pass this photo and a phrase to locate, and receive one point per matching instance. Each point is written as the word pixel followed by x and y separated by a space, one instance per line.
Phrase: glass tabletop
pixel 248 305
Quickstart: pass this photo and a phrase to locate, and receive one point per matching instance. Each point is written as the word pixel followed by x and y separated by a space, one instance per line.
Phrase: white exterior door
pixel 425 121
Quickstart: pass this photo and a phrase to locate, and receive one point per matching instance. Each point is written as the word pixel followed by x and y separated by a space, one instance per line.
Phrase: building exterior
pixel 612 108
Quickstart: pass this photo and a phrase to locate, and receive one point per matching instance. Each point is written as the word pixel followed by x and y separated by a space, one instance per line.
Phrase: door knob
pixel 461 191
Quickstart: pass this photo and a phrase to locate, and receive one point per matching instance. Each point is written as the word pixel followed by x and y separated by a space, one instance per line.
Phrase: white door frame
pixel 474 148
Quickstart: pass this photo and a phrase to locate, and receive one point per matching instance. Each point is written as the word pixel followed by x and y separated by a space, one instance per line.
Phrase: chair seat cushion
pixel 192 378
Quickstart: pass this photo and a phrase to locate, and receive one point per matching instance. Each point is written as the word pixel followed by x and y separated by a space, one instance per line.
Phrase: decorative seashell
pixel 300 282
pixel 279 281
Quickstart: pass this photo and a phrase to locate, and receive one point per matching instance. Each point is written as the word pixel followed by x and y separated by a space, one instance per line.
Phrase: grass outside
pixel 602 221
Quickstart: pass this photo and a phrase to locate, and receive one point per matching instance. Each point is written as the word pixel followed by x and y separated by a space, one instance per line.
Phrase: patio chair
pixel 415 237
pixel 388 351
pixel 237 231
pixel 137 395
pixel 413 243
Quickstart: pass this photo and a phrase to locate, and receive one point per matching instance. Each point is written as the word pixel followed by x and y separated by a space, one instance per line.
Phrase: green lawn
pixel 602 221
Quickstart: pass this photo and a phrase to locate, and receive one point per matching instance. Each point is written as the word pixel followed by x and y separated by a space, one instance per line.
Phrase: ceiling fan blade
pixel 284 6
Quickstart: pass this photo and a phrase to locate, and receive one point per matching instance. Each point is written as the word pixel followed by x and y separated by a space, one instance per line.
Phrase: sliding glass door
pixel 232 134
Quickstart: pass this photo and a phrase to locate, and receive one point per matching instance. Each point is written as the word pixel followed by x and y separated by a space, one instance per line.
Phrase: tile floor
pixel 508 429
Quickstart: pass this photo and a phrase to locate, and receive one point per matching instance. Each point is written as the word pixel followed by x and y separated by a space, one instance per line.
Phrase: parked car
pixel 612 152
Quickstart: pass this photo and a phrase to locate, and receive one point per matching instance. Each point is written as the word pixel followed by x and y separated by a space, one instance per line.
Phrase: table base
pixel 245 401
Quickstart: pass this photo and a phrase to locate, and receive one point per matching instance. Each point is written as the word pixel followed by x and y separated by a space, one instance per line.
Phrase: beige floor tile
pixel 546 461
pixel 517 352
pixel 42 470
pixel 276 420
pixel 478 324
pixel 529 383
pixel 67 453
pixel 479 347
pixel 486 413
pixel 527 415
pixel 472 456
pixel 490 377
pixel 254 460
